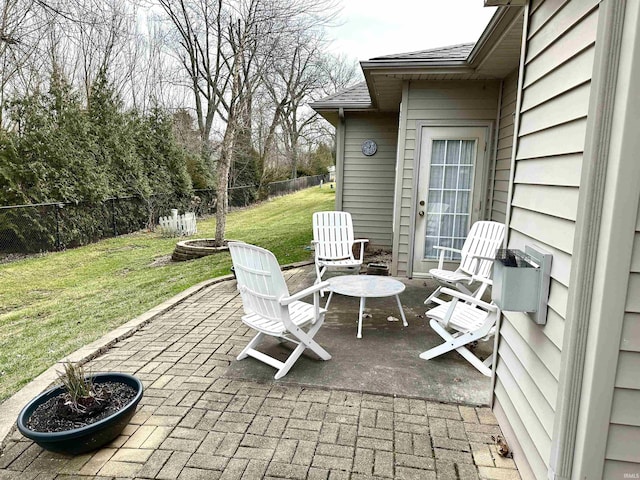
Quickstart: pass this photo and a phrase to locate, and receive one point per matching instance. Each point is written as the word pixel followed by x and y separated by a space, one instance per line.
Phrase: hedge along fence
pixel 52 226
pixel 60 225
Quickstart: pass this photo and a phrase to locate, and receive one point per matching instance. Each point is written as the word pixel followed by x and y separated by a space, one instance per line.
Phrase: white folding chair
pixel 333 243
pixel 471 319
pixel 477 255
pixel 271 310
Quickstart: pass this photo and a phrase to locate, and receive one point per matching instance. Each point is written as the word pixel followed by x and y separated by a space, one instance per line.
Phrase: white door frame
pixel 488 124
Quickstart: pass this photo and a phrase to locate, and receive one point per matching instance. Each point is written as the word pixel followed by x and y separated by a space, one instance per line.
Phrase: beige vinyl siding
pixel 439 101
pixel 368 182
pixel 551 139
pixel 502 171
pixel 622 454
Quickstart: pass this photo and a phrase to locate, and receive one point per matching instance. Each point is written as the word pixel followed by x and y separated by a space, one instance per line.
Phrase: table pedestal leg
pixel 362 302
pixel 404 320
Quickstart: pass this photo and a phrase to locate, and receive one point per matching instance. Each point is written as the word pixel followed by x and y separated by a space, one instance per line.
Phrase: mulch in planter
pixel 55 416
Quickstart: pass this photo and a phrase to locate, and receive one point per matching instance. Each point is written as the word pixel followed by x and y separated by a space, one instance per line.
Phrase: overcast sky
pixel 371 28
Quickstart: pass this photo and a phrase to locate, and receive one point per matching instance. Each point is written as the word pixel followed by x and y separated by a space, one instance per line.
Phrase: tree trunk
pixel 222 182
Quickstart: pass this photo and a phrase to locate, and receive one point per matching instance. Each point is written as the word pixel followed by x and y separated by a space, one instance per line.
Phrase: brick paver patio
pixel 193 423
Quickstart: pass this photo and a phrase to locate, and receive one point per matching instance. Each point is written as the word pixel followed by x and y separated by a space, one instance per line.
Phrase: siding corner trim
pixel 588 226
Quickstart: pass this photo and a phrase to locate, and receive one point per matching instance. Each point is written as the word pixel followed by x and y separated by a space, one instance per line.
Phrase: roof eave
pixel 371 86
pixel 319 106
pixel 435 70
pixel 331 114
pixel 500 23
pixel 397 65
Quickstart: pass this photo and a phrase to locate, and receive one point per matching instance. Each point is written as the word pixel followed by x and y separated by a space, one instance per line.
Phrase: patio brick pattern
pixel 193 423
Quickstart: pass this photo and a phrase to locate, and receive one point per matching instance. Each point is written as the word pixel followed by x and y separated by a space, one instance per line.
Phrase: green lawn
pixel 53 304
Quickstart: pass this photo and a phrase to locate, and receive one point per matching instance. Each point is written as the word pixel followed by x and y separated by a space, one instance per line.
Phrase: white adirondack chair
pixel 333 242
pixel 477 255
pixel 471 319
pixel 271 310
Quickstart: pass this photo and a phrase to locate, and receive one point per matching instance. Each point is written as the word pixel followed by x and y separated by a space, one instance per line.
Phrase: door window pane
pixel 450 177
pixel 462 202
pixel 433 200
pixel 429 251
pixel 449 199
pixel 466 153
pixel 461 225
pixel 453 152
pixel 435 177
pixel 465 177
pixel 437 152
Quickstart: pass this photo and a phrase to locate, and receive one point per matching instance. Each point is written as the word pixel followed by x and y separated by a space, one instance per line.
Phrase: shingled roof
pixel 357 97
pixel 450 53
pixel 352 97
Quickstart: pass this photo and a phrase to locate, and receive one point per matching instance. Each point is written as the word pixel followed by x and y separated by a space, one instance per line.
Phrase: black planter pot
pixel 90 437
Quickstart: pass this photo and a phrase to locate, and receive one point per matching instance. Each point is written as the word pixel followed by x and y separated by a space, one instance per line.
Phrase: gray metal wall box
pixel 521 282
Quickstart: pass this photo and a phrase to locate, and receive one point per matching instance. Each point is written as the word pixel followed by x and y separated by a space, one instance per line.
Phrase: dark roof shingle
pixel 357 95
pixel 452 52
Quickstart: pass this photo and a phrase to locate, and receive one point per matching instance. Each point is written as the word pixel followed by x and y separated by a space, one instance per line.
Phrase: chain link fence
pixel 281 188
pixel 46 227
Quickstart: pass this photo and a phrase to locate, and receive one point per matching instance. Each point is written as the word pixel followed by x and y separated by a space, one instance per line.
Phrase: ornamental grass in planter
pixel 84 413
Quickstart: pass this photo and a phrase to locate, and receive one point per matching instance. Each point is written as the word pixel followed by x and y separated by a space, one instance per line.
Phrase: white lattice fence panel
pixel 184 224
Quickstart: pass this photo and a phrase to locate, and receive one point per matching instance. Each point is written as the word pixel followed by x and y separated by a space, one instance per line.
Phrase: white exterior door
pixel 450 191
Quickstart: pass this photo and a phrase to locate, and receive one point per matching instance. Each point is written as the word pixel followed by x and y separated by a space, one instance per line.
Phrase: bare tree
pixel 75 38
pixel 303 73
pixel 338 71
pixel 20 25
pixel 287 83
pixel 197 27
pixel 225 48
pixel 94 36
pixel 150 71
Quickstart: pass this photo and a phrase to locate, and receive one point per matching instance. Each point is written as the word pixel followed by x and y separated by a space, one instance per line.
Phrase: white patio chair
pixel 333 242
pixel 270 310
pixel 477 255
pixel 471 319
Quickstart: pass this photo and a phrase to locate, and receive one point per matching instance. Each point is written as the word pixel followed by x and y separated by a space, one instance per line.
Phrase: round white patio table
pixel 366 286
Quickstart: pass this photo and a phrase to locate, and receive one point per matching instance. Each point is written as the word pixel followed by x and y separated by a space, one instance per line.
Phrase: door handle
pixel 421 213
